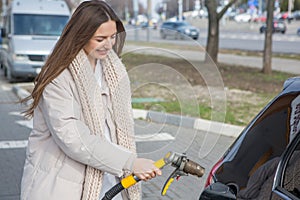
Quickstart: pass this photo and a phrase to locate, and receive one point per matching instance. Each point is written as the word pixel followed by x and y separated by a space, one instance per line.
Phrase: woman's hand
pixel 145 169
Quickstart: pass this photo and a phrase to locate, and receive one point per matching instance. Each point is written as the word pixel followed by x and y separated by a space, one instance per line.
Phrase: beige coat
pixel 60 146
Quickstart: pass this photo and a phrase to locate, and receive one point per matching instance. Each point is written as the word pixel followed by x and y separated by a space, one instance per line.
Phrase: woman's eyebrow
pixel 105 36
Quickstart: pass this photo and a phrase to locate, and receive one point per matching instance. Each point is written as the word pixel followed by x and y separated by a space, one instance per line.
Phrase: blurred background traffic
pixel 144 13
pixel 174 21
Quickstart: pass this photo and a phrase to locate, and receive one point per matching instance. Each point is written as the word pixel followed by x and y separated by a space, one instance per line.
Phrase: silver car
pixel 178 30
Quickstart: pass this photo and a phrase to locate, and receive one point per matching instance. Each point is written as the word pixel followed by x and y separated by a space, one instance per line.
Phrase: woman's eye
pixel 99 40
pixel 113 36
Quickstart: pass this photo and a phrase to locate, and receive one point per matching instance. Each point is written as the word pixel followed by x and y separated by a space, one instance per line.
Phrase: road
pixel 12 135
pixel 232 36
pixel 153 141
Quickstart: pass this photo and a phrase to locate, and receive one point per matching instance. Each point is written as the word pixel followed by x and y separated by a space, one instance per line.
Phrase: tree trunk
pixel 212 46
pixel 267 57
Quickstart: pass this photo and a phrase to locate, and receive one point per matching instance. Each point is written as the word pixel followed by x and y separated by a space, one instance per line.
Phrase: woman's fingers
pixel 145 169
pixel 157 171
pixel 152 174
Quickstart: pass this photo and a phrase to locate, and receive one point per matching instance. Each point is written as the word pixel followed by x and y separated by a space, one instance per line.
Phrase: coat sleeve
pixel 62 115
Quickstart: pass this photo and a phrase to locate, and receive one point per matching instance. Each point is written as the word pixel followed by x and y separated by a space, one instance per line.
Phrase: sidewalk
pixel 278 64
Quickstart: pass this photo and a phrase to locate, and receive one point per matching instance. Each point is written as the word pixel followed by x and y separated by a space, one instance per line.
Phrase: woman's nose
pixel 108 43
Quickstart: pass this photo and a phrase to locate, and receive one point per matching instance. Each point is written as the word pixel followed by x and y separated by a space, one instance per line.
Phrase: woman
pixel 82 137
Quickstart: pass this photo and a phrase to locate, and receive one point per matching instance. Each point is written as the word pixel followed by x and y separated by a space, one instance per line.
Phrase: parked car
pixel 278 26
pixel 263 162
pixel 260 18
pixel 296 15
pixel 152 23
pixel 298 32
pixel 178 30
pixel 244 17
pixel 285 16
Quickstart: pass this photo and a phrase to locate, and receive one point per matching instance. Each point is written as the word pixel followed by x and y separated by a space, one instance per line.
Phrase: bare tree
pixel 212 45
pixel 172 8
pixel 267 56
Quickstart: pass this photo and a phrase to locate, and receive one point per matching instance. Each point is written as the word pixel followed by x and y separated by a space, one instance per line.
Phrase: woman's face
pixel 102 41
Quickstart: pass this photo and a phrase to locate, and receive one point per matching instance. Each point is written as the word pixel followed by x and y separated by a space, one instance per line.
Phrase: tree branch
pixel 222 12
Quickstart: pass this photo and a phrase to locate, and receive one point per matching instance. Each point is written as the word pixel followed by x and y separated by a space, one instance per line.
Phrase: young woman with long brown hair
pixel 82 140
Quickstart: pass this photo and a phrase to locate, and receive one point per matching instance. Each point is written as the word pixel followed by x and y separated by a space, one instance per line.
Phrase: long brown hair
pixel 84 22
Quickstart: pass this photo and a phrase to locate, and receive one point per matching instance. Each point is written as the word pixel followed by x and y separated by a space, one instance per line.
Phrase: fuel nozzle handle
pixel 184 164
pixel 193 168
pixel 179 161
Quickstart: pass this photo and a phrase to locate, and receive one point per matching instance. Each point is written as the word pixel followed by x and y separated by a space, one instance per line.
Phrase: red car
pixel 261 18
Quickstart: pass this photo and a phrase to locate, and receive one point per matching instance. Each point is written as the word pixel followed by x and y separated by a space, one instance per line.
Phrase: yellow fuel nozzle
pixel 183 166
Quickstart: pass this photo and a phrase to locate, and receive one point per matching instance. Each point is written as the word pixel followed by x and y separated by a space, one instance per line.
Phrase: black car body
pixel 178 30
pixel 264 161
pixel 278 27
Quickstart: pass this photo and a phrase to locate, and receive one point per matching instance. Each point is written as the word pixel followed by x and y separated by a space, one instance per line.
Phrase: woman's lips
pixel 102 52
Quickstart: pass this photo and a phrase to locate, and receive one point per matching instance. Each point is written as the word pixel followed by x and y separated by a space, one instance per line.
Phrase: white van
pixel 31 29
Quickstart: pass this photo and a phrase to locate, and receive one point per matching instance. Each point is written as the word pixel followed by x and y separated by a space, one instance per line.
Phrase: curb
pixel 21 93
pixel 189 122
pixel 171 119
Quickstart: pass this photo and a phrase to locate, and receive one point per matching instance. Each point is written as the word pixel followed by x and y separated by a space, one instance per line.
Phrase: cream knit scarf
pixel 90 96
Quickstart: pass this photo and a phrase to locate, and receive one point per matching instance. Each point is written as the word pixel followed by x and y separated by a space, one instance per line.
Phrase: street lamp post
pixel 135 11
pixel 180 10
pixel 149 13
